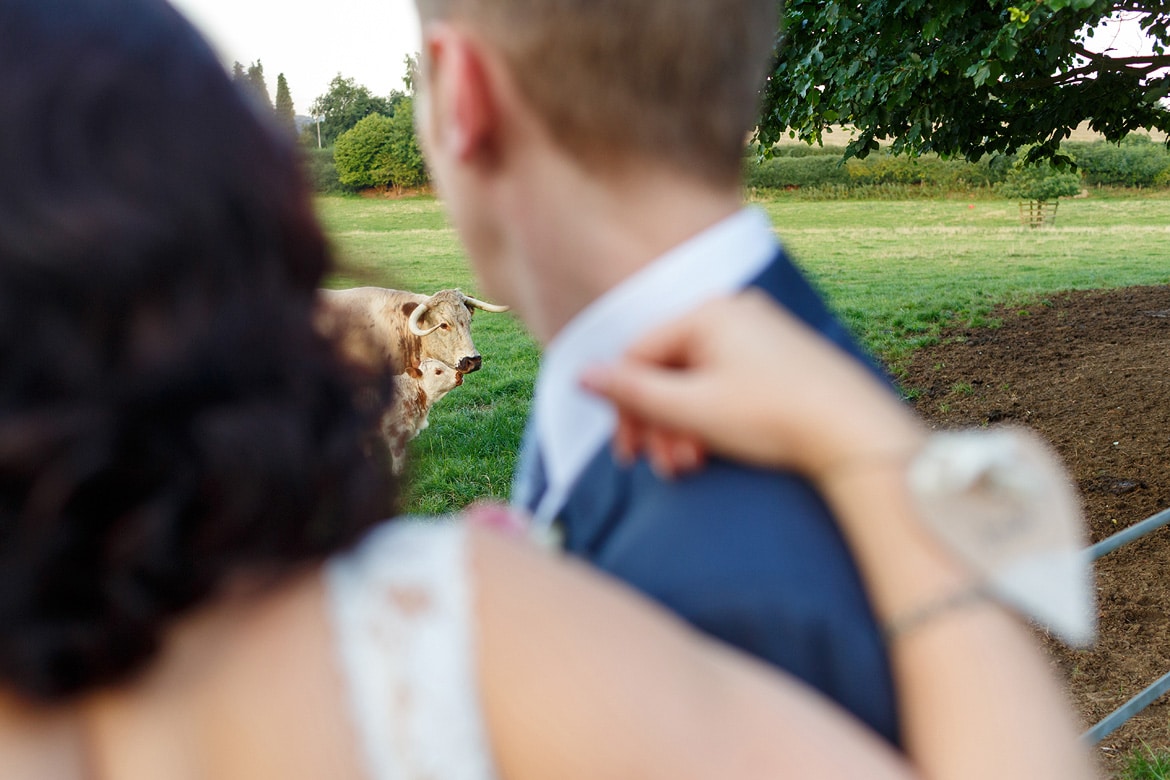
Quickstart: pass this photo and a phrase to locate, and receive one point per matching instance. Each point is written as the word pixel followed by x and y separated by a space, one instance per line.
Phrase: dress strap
pixel 402 618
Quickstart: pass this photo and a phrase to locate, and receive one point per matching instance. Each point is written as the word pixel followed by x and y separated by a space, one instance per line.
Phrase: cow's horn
pixel 415 316
pixel 477 303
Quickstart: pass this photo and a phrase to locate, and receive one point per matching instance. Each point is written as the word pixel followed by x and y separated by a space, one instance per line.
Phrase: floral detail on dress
pixel 401 612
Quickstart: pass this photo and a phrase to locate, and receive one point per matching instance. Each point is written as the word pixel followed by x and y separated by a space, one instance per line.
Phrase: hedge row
pixel 878 168
pixel 1137 162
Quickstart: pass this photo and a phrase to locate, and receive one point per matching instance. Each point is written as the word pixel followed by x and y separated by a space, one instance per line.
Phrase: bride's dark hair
pixel 168 416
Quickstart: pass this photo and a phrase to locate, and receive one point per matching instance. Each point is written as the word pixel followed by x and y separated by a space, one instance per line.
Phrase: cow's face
pixel 450 341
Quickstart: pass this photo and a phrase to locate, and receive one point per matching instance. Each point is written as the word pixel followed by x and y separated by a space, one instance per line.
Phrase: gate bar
pixel 1115 719
pixel 1135 531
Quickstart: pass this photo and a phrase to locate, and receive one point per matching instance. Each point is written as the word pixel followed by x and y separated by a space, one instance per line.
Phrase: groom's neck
pixel 592 233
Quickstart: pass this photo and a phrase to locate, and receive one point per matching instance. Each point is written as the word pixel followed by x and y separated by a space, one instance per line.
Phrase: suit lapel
pixel 788 287
pixel 785 284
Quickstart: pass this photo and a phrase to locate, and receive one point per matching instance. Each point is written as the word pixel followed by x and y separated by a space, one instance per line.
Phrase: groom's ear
pixel 464 88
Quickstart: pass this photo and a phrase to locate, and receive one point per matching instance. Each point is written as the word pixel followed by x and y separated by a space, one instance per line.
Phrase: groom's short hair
pixel 676 80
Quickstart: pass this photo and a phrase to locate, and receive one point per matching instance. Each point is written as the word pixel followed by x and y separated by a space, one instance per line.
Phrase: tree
pixel 258 85
pixel 1038 186
pixel 286 115
pixel 406 160
pixel 344 105
pixel 963 78
pixel 381 151
pixel 1038 181
pixel 410 76
pixel 238 74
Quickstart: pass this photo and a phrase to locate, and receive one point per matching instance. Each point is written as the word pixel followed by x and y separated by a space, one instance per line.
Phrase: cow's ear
pixel 407 308
pixel 413 372
pixel 470 308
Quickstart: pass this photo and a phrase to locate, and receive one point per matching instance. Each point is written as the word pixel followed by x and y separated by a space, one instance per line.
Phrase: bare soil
pixel 1089 371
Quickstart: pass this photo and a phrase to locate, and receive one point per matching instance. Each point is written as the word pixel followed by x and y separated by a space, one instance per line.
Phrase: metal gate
pixel 1115 719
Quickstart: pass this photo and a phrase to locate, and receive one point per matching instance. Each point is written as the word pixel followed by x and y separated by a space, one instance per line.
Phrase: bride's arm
pixel 583 678
pixel 603 677
pixel 977 698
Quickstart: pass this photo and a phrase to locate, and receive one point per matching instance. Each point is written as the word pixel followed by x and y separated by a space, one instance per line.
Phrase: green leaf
pixel 987 72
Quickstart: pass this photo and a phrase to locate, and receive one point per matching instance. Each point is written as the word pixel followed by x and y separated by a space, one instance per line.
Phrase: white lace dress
pixel 401 612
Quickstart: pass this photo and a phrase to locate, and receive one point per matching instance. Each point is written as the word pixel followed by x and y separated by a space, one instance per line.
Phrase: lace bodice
pixel 403 629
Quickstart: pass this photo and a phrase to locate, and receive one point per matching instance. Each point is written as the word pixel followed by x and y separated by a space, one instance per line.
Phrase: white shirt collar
pixel 571 424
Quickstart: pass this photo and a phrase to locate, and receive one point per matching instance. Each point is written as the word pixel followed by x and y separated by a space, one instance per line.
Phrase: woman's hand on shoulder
pixel 742 378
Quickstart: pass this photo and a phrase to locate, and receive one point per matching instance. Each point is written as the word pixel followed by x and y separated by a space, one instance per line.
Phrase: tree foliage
pixel 1040 181
pixel 381 151
pixel 286 114
pixel 345 104
pixel 410 74
pixel 258 85
pixel 963 78
pixel 1135 162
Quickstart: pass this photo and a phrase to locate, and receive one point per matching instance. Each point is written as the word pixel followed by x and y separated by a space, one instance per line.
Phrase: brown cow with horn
pixel 404 334
pixel 378 328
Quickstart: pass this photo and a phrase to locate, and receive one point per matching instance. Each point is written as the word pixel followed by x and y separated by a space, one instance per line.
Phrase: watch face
pixel 1000 501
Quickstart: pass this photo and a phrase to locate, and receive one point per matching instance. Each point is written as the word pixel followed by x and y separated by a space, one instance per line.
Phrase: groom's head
pixel 675 81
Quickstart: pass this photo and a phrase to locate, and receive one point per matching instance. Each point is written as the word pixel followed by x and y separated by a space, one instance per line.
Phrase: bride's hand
pixel 742 378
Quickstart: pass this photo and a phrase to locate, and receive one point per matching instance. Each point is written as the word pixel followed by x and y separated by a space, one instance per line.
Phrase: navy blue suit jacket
pixel 747 555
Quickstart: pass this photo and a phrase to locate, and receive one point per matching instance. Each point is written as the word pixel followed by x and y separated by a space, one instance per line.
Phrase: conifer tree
pixel 286 115
pixel 259 86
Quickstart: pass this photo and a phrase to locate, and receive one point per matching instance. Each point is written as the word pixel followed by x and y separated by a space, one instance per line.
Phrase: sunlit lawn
pixel 896 270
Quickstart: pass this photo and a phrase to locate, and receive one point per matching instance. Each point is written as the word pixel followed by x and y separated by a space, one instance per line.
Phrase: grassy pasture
pixel 896 270
pixel 469 449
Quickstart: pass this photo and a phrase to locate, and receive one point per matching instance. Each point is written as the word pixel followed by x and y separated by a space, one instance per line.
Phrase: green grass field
pixel 898 271
pixel 469 450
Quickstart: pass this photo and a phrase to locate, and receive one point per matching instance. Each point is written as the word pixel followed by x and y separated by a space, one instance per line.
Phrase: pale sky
pixel 311 42
pixel 1122 36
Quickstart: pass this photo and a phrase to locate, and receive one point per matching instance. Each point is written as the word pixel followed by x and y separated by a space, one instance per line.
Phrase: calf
pixel 415 392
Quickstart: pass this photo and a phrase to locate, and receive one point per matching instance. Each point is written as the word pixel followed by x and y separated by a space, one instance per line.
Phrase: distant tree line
pixel 252 81
pixel 824 171
pixel 357 139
